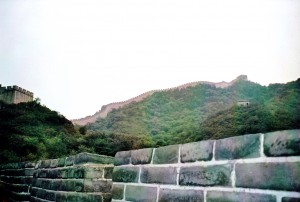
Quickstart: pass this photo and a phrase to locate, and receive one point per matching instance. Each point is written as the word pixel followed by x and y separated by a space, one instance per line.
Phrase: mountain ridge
pixel 105 109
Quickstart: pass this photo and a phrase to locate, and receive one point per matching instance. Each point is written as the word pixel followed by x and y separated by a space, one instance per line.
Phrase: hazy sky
pixel 77 55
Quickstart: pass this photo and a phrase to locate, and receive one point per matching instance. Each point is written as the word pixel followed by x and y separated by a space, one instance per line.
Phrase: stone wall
pixel 15 94
pixel 257 167
pixel 83 177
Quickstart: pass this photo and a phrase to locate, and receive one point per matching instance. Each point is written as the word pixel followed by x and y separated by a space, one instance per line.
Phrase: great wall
pixel 116 105
pixel 261 167
pixel 15 94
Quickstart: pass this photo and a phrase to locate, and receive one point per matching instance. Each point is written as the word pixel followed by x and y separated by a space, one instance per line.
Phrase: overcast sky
pixel 77 55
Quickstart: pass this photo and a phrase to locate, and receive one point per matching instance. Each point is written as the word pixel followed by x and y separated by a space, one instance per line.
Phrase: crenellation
pixel 15 94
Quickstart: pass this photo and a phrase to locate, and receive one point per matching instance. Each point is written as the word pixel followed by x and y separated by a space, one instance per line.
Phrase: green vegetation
pixel 30 131
pixel 205 112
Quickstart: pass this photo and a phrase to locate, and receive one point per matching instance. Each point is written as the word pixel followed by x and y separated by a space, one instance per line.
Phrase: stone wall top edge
pixel 233 137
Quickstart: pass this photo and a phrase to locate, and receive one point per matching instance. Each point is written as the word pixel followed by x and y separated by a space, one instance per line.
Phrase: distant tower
pixel 244 103
pixel 15 95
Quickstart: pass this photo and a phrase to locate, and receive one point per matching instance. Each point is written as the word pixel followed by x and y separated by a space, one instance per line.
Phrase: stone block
pixel 246 146
pixel 20 196
pixel 218 196
pixel 61 162
pixel 93 172
pixel 217 175
pixel 160 175
pixel 141 156
pixel 290 199
pixel 45 164
pixel 180 195
pixel 108 171
pixel 274 176
pixel 196 151
pixel 49 195
pixel 79 197
pixel 42 173
pixel 53 173
pixel 125 174
pixel 55 185
pixel 282 143
pixel 30 165
pixel 122 158
pixel 117 191
pixel 54 163
pixel 85 157
pixel 140 193
pixel 166 155
pixel 93 185
pixel 70 161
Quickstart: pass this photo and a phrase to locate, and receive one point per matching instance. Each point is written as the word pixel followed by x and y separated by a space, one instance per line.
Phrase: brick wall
pixel 256 167
pixel 83 177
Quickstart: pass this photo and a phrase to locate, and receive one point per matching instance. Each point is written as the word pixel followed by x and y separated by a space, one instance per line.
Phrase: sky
pixel 78 55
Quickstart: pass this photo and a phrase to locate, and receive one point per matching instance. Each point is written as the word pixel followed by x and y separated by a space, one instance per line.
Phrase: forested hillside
pixel 204 112
pixel 30 131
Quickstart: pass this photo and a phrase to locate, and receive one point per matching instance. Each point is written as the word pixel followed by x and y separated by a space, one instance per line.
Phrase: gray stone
pixel 196 151
pixel 180 195
pixel 246 146
pixel 93 185
pixel 161 175
pixel 274 176
pixel 166 155
pixel 54 163
pixel 45 164
pixel 141 156
pixel 122 158
pixel 125 174
pixel 218 196
pixel 70 161
pixel 290 199
pixel 140 193
pixel 61 162
pixel 117 191
pixel 282 143
pixel 92 158
pixel 217 175
pixel 108 171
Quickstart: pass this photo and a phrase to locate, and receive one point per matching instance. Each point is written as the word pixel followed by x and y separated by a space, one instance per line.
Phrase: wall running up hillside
pixel 257 167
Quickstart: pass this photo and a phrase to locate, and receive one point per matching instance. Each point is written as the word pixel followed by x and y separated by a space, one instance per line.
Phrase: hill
pixel 116 105
pixel 30 131
pixel 183 114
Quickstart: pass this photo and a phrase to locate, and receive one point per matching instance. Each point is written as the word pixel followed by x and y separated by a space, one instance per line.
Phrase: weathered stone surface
pixel 78 197
pixel 108 171
pixel 140 193
pixel 92 158
pixel 122 158
pixel 70 160
pixel 218 175
pixel 282 143
pixel 180 195
pixel 61 162
pixel 94 185
pixel 117 191
pixel 218 196
pixel 49 195
pixel 166 155
pixel 290 199
pixel 274 176
pixel 54 163
pixel 45 164
pixel 141 156
pixel 125 174
pixel 93 172
pixel 196 151
pixel 161 175
pixel 246 146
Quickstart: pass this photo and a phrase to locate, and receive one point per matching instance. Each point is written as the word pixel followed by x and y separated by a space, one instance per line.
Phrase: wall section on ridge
pixel 256 167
